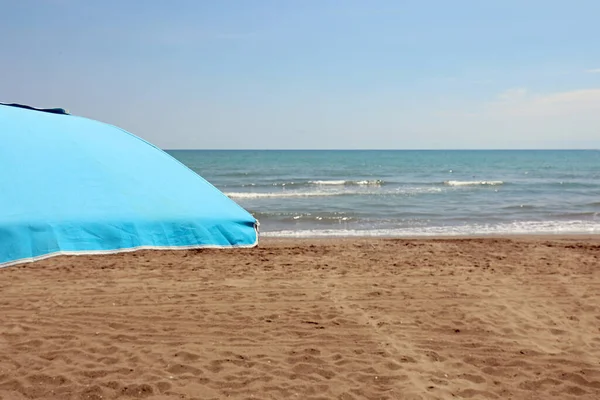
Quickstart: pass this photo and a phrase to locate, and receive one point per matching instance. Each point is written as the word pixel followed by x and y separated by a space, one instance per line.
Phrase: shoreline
pixel 272 240
pixel 388 233
pixel 558 236
pixel 302 241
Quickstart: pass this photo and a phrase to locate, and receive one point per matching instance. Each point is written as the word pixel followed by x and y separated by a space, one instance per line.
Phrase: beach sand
pixel 493 318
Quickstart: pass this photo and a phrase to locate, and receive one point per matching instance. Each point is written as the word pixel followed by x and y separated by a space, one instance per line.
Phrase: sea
pixel 408 193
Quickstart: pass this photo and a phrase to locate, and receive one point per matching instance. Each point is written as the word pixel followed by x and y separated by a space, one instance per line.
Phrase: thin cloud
pixel 522 118
pixel 520 102
pixel 523 103
pixel 593 71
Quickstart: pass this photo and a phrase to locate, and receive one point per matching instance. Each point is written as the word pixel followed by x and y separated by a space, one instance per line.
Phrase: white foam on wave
pixel 473 183
pixel 375 182
pixel 334 182
pixel 514 228
pixel 416 190
pixel 249 195
pixel 408 191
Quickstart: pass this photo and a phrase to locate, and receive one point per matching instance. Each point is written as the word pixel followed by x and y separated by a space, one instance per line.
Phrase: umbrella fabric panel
pixel 71 184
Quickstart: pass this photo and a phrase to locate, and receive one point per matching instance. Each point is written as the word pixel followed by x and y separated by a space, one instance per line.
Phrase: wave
pixel 520 207
pixel 473 183
pixel 279 184
pixel 254 195
pixel 375 182
pixel 580 215
pixel 338 182
pixel 515 228
pixel 320 217
pixel 328 193
pixel 364 182
pixel 575 184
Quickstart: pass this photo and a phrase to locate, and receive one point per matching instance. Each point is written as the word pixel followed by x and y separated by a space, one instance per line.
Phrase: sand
pixel 493 318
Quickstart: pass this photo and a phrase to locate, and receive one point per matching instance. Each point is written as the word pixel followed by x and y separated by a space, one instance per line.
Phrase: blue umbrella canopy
pixel 71 185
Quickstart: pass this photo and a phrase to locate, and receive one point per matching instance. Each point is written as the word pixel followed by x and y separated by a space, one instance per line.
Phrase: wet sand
pixel 491 318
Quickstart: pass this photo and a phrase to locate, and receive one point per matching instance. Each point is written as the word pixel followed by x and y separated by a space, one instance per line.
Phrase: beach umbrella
pixel 72 185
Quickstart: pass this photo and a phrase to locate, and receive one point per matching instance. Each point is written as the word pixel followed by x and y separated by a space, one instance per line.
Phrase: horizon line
pixel 456 149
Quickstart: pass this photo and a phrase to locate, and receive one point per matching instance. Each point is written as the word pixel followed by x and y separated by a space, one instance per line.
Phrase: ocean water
pixel 408 193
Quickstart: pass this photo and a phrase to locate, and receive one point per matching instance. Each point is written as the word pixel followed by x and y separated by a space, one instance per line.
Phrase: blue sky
pixel 314 73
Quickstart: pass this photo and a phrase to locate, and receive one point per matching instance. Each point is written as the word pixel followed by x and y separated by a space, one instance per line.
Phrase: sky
pixel 314 74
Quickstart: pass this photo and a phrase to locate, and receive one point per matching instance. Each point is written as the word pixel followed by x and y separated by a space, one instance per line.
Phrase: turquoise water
pixel 408 193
